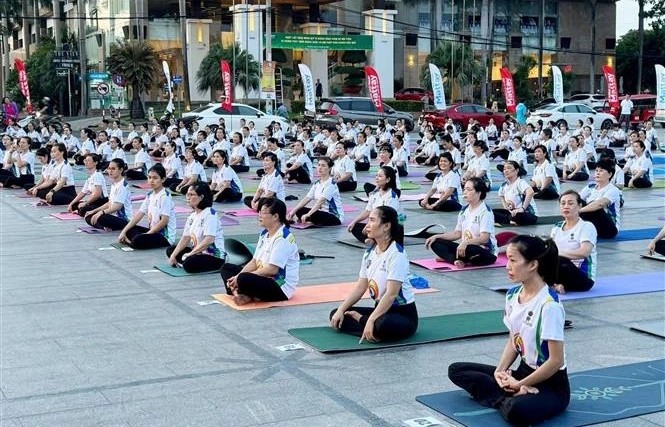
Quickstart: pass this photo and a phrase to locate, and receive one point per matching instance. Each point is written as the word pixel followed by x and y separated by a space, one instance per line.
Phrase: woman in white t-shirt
pixel 516 196
pixel 517 154
pixel 327 209
pixel 271 184
pixel 201 247
pixel 638 169
pixel 545 181
pixel 446 190
pixel 478 165
pixel 274 271
pixel 602 201
pixel 94 192
pixel 142 161
pixel 239 158
pixel 172 165
pixel 576 240
pixel 114 214
pixel 225 184
pixel 43 155
pixel 574 164
pixel 299 166
pixel 383 272
pixel 344 170
pixel 193 172
pixel 59 188
pixel 475 228
pixel 159 209
pixel 538 389
pixel 22 168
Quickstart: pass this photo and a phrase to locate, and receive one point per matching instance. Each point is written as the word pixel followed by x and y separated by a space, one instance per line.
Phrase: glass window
pixel 245 111
pixel 362 105
pixel 220 111
pixel 584 109
pixel 465 109
pixel 569 109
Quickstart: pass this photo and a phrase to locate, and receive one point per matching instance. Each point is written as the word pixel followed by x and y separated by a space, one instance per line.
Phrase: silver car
pixel 352 108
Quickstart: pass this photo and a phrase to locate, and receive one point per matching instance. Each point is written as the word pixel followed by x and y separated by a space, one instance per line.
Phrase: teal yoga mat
pixel 179 271
pixel 597 396
pixel 430 329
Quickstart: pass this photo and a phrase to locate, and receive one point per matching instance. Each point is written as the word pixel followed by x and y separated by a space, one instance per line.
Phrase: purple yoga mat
pixel 182 209
pixel 66 216
pixel 242 212
pixel 444 267
pixel 137 197
pixel 228 221
pixel 412 197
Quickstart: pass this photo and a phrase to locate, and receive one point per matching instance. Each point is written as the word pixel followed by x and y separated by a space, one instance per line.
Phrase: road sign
pixel 103 89
pixel 177 80
pixel 118 80
pixel 62 72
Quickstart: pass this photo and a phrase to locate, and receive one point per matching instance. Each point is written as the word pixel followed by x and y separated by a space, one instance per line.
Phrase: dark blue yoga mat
pixel 636 234
pixel 597 396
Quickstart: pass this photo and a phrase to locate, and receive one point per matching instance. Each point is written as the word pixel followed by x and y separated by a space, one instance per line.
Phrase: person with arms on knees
pixel 59 187
pixel 21 171
pixel 271 184
pixel 327 208
pixel 43 155
pixel 193 173
pixel 225 184
pixel 299 166
pixel 94 192
pixel 602 201
pixel 383 271
pixel 538 389
pixel 115 214
pixel 576 241
pixel 142 161
pixel 273 272
pixel 172 165
pixel 478 166
pixel 475 226
pixel 446 187
pixel 574 164
pixel 344 170
pixel 158 206
pixel 638 169
pixel 201 247
pixel 657 244
pixel 516 196
pixel 384 194
pixel 545 181
pixel 239 158
pixel 361 153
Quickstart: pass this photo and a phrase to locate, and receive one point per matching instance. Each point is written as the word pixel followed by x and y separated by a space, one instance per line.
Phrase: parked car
pixel 543 102
pixel 644 108
pixel 352 108
pixel 461 113
pixel 570 113
pixel 413 94
pixel 211 113
pixel 593 100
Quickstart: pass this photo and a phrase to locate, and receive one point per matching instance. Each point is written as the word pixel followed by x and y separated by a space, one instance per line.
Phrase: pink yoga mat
pixel 142 186
pixel 22 195
pixel 227 220
pixel 242 212
pixel 137 197
pixel 411 197
pixel 66 216
pixel 444 267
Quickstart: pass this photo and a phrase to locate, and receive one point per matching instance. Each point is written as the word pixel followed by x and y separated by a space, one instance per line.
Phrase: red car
pixel 461 113
pixel 413 94
pixel 644 108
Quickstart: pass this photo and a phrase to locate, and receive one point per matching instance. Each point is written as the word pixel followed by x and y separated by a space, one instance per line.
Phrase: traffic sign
pixel 103 89
pixel 62 72
pixel 177 80
pixel 118 80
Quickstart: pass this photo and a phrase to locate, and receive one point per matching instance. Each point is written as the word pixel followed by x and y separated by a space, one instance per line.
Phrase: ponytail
pixel 533 248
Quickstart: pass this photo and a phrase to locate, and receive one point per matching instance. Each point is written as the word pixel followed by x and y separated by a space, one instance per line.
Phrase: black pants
pixel 605 227
pixel 299 174
pixel 549 193
pixel 432 175
pixel 347 186
pixel 198 263
pixel 140 240
pixel 503 216
pixel 660 247
pixel 401 171
pixel 638 182
pixel 478 380
pixel 422 160
pixel 446 206
pixel 90 206
pixel 398 323
pixel 503 153
pixel 319 217
pixel 252 285
pixel 474 254
pixel 228 195
pixel 248 201
pixel 18 181
pixel 64 196
pixel 578 176
pixel 78 159
pixel 357 231
pixel 240 168
pixel 135 174
pixel 362 166
pixel 591 164
pixel 572 278
pixel 111 222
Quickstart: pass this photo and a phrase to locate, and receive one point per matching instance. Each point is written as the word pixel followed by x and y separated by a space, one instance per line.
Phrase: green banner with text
pixel 321 42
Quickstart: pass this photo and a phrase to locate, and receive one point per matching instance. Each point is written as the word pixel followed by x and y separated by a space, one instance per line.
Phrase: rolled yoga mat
pixel 598 395
pixel 430 329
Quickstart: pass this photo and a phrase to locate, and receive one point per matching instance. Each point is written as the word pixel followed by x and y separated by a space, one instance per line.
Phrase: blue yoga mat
pixel 636 234
pixel 612 286
pixel 597 396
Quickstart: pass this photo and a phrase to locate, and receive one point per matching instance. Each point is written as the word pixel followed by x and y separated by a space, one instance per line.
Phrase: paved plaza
pixel 89 338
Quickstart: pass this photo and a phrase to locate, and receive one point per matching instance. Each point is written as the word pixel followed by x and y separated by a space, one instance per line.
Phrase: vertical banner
pixel 508 89
pixel 612 88
pixel 169 84
pixel 374 87
pixel 268 80
pixel 660 87
pixel 23 82
pixel 437 87
pixel 307 87
pixel 227 82
pixel 557 84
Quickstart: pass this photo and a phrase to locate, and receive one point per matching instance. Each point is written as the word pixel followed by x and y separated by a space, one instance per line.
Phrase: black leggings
pixel 90 206
pixel 140 240
pixel 64 196
pixel 445 206
pixel 357 231
pixel 432 175
pixel 135 174
pixel 240 168
pixel 660 247
pixel 109 221
pixel 578 176
pixel 502 152
pixel 18 181
pixel 299 174
pixel 398 323
pixel 198 263
pixel 362 166
pixel 572 278
pixel 605 227
pixel 503 216
pixel 474 254
pixel 172 182
pixel 319 217
pixel 252 285
pixel 549 193
pixel 401 171
pixel 248 201
pixel 423 160
pixel 228 195
pixel 347 186
pixel 529 409
pixel 638 182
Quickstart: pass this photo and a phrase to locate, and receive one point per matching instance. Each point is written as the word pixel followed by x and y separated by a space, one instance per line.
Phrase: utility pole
pixel 83 73
pixel 268 37
pixel 592 61
pixel 640 35
pixel 185 61
pixel 541 39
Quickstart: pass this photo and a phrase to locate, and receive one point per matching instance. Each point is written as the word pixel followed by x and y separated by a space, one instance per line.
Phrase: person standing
pixel 626 108
pixel 521 112
pixel 318 89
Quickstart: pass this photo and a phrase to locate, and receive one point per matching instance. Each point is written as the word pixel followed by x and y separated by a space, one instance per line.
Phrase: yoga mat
pixel 611 286
pixel 242 212
pixel 66 216
pixel 549 219
pixel 122 247
pixel 655 327
pixel 142 186
pixel 306 225
pixel 352 241
pixel 315 294
pixel 655 256
pixel 409 185
pixel 228 221
pixel 178 271
pixel 430 329
pixel 137 197
pixel 182 209
pixel 635 234
pixel 245 238
pixel 426 231
pixel 444 267
pixel 412 197
pixel 598 395
pixel 24 196
pixel 93 230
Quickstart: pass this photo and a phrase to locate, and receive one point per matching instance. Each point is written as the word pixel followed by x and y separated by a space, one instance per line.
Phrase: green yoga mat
pixel 408 185
pixel 245 238
pixel 430 329
pixel 179 271
pixel 549 219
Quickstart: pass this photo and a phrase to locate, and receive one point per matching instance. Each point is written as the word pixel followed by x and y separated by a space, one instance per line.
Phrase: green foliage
pixel 466 67
pixel 354 56
pixel 209 75
pixel 627 52
pixel 408 106
pixel 297 107
pixel 521 79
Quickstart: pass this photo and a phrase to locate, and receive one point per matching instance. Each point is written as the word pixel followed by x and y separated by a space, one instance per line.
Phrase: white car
pixel 570 113
pixel 593 100
pixel 211 113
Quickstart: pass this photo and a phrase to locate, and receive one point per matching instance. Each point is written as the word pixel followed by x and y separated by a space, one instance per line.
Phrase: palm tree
pixel 246 68
pixel 467 67
pixel 137 62
pixel 10 12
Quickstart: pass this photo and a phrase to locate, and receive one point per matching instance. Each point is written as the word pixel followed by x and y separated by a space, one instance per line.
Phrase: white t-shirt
pixel 592 193
pixel 173 163
pixel 63 170
pixel 457 156
pixel 143 157
pixel 402 155
pixel 450 180
pixel 29 168
pixel 515 193
pixel 328 191
pixel 360 153
pixel 546 170
pixel 88 147
pixel 226 173
pixel 533 323
pixel 95 180
pixel 472 223
pixel 120 193
pixel 626 106
pixel 343 166
pixel 378 269
pixel 571 240
pixel 518 156
pixel 157 204
pixel 618 179
pixel 104 150
pixel 195 168
pixel 477 164
pixel 205 223
pixel 388 198
pixel 639 164
pixel 273 182
pixel 239 151
pixel 573 158
pixel 281 251
pixel 304 161
pixel 431 149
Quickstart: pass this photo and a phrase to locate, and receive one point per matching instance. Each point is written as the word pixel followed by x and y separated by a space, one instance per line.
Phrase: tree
pixel 657 11
pixel 567 78
pixel 521 78
pixel 10 12
pixel 137 62
pixel 466 67
pixel 627 53
pixel 246 68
